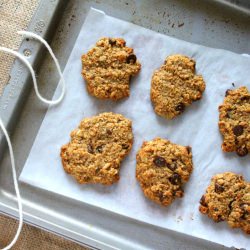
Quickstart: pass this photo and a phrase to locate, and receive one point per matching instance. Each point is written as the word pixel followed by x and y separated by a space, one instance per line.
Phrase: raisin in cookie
pixel 97 148
pixel 108 67
pixel 234 121
pixel 162 169
pixel 227 198
pixel 175 86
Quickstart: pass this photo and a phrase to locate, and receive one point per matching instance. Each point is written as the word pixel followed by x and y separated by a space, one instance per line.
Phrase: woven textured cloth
pixel 15 15
pixel 32 238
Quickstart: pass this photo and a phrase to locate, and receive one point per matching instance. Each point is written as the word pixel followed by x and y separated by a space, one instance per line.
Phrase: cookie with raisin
pixel 234 121
pixel 97 148
pixel 162 169
pixel 108 67
pixel 175 86
pixel 227 198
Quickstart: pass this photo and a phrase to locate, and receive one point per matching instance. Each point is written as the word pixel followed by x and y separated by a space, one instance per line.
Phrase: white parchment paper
pixel 196 127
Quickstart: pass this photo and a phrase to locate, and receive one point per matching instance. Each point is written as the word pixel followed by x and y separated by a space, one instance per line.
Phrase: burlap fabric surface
pixel 32 238
pixel 15 15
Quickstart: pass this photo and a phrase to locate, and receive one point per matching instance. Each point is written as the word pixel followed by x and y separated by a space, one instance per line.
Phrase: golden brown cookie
pixel 108 67
pixel 227 198
pixel 162 169
pixel 97 148
pixel 240 215
pixel 175 86
pixel 234 121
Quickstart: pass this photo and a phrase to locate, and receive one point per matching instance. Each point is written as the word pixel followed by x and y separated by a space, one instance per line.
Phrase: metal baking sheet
pixel 43 23
pixel 221 24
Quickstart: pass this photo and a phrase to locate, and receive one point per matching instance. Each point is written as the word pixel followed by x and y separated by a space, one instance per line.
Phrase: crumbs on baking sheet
pixel 179 219
pixel 192 216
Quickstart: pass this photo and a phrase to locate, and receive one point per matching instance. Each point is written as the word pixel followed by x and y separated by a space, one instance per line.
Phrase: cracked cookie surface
pixel 108 68
pixel 162 169
pixel 227 198
pixel 234 121
pixel 97 148
pixel 175 86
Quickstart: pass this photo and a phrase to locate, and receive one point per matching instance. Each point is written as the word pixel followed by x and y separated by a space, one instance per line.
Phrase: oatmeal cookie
pixel 227 198
pixel 234 121
pixel 175 86
pixel 97 148
pixel 240 215
pixel 108 68
pixel 162 169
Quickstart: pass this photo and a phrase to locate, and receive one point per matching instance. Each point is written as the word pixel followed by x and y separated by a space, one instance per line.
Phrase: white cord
pixel 20 206
pixel 62 82
pixel 12 158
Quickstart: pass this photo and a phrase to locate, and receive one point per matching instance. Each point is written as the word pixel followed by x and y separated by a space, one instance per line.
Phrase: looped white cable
pixel 62 82
pixel 54 102
pixel 20 206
